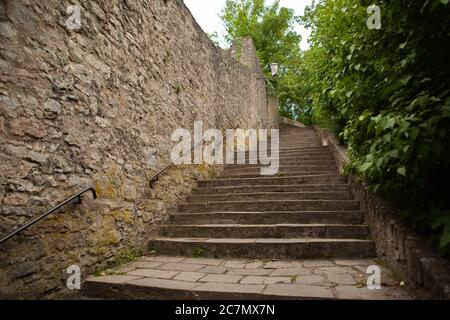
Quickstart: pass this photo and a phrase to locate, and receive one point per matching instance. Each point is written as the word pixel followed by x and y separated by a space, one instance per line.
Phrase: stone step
pixel 288 158
pixel 243 231
pixel 243 174
pixel 272 205
pixel 274 188
pixel 264 248
pixel 300 180
pixel 286 163
pixel 302 145
pixel 341 195
pixel 186 278
pixel 286 154
pixel 297 141
pixel 297 159
pixel 283 149
pixel 269 217
pixel 284 169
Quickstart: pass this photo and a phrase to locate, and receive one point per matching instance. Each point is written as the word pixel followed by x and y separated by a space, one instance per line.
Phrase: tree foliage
pixel 386 93
pixel 272 29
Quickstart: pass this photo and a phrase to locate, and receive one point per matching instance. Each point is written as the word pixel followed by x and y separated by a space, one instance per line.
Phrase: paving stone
pixel 221 278
pixel 213 269
pixel 181 266
pixel 253 280
pixel 254 265
pixel 341 279
pixel 236 264
pixel 124 269
pixel 250 272
pixel 296 264
pixel 189 276
pixel 311 279
pixel 335 270
pixel 152 273
pixel 163 259
pixel 206 262
pixel 277 265
pixel 317 263
pixel 230 287
pixel 163 283
pixel 115 279
pixel 363 293
pixel 358 262
pixel 290 272
pixel 229 240
pixel 274 280
pixel 145 265
pixel 298 290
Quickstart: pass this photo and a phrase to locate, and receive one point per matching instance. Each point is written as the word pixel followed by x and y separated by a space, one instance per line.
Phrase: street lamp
pixel 274 68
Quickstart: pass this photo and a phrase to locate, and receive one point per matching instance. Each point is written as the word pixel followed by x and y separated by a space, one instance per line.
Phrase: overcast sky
pixel 207 12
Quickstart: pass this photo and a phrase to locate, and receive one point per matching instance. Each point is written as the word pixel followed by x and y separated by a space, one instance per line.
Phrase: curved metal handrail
pixel 32 222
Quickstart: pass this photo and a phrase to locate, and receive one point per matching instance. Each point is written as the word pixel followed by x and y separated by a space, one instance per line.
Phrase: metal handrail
pixel 32 222
pixel 156 175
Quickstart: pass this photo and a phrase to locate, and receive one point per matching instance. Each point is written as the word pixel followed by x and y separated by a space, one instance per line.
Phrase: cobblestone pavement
pixel 315 279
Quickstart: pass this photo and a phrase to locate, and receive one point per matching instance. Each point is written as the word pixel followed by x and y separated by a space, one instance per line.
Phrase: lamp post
pixel 274 68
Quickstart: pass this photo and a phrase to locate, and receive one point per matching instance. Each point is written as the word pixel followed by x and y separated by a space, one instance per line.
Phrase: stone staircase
pixel 305 212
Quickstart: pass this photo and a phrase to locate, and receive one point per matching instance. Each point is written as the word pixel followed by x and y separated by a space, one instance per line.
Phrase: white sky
pixel 207 12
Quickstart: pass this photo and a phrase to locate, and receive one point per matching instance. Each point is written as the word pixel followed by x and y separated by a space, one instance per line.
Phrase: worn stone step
pixel 341 195
pixel 272 205
pixel 274 188
pixel 269 217
pixel 300 180
pixel 265 248
pixel 266 231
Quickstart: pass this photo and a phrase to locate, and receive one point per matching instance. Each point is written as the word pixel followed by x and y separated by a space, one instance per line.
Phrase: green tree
pixel 386 93
pixel 272 29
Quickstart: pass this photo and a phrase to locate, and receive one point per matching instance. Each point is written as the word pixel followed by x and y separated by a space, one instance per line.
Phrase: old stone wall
pixel 406 252
pixel 97 106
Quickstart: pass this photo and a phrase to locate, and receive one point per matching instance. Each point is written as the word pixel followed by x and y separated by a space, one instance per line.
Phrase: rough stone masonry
pixel 96 106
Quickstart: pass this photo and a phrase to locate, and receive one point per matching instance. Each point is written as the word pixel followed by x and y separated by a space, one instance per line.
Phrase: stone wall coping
pixel 291 122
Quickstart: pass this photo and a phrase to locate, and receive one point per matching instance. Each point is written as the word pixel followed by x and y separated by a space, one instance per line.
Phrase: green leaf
pixel 389 124
pixel 402 171
pixel 365 166
pixel 405 80
pixel 394 154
